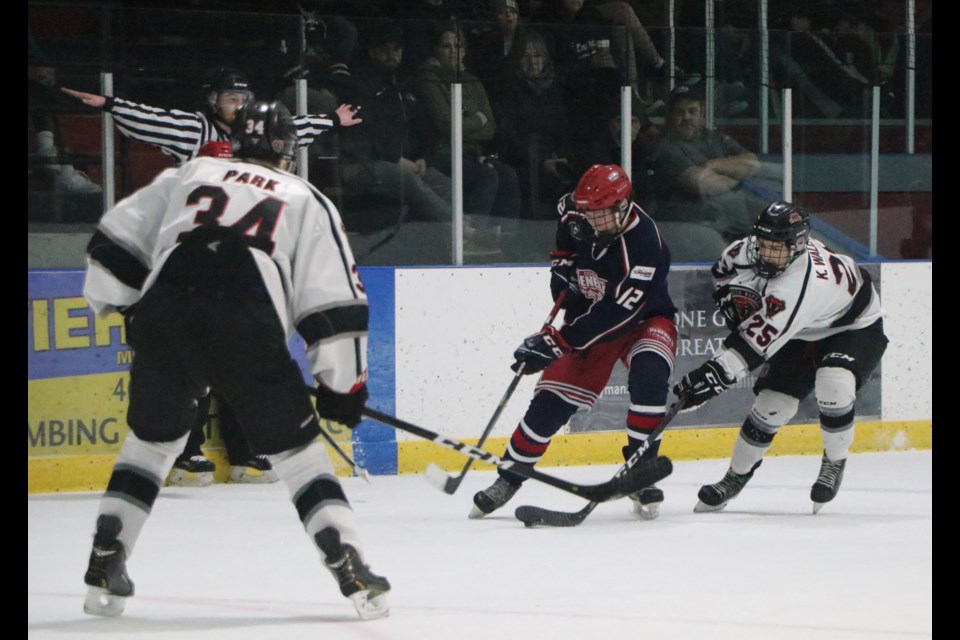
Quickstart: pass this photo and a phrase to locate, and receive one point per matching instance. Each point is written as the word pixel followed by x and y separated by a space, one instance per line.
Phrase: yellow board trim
pixel 681 444
pixel 60 473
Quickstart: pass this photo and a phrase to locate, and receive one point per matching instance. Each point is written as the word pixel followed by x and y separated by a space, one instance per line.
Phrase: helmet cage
pixel 600 227
pixel 779 237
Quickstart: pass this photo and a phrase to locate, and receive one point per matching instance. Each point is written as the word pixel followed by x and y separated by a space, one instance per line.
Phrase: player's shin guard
pixel 836 395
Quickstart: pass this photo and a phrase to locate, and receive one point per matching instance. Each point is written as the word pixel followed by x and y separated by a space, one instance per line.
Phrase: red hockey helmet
pixel 602 198
pixel 601 187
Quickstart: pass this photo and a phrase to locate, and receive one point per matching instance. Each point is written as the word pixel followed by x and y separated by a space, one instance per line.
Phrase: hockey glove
pixel 128 313
pixel 345 408
pixel 732 315
pixel 563 277
pixel 539 350
pixel 705 382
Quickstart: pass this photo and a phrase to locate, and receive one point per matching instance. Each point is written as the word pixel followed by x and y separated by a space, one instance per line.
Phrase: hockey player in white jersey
pixel 214 264
pixel 813 318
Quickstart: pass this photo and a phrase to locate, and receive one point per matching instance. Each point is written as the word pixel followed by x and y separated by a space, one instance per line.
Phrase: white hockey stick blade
pixel 436 476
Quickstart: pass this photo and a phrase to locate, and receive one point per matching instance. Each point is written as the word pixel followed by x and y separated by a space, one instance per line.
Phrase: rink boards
pixel 441 341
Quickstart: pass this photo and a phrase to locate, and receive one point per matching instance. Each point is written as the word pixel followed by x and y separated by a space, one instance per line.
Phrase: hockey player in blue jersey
pixel 613 263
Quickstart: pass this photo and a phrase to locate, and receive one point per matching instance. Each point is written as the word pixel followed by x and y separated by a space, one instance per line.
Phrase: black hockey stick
pixel 620 485
pixel 533 516
pixel 435 474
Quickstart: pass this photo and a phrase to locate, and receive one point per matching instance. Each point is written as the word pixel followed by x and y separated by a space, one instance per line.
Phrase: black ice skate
pixel 714 497
pixel 106 576
pixel 256 470
pixel 828 482
pixel 492 498
pixel 646 502
pixel 367 590
pixel 192 471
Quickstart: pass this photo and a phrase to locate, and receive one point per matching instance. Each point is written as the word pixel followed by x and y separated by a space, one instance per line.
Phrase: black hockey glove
pixel 345 408
pixel 128 313
pixel 563 277
pixel 705 382
pixel 539 350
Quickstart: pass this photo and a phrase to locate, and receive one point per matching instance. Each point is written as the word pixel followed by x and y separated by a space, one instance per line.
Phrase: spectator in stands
pixel 532 127
pixel 702 175
pixel 43 102
pixel 806 58
pixel 383 157
pixel 491 188
pixel 589 58
pixel 644 136
pixel 491 49
pixel 421 19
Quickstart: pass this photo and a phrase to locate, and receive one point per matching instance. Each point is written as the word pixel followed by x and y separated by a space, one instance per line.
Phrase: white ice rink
pixel 231 562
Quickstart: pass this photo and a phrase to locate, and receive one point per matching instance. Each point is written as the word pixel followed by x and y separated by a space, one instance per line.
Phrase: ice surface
pixel 231 562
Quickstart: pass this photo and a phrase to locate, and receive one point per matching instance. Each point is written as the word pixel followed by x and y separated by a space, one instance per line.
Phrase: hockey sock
pixel 749 448
pixel 316 492
pixel 137 476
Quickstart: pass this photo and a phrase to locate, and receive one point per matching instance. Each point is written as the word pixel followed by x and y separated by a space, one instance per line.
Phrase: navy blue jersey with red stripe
pixel 622 285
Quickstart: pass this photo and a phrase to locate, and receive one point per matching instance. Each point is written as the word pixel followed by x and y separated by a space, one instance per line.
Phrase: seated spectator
pixel 44 100
pixel 589 58
pixel 491 191
pixel 807 60
pixel 491 48
pixel 606 149
pixel 703 175
pixel 532 127
pixel 381 157
pixel 420 19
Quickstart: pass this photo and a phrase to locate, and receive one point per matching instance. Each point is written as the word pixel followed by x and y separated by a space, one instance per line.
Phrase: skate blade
pixel 371 607
pixel 100 602
pixel 181 478
pixel 647 511
pixel 703 507
pixel 244 475
pixel 476 513
pixel 817 506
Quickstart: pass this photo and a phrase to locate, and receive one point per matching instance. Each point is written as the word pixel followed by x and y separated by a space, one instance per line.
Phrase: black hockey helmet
pixel 779 237
pixel 265 131
pixel 219 80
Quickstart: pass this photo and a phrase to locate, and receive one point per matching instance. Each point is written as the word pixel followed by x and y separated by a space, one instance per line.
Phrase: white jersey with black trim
pixel 181 134
pixel 297 239
pixel 822 293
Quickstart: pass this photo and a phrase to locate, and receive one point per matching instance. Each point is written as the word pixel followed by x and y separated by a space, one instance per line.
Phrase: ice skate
pixel 828 482
pixel 646 502
pixel 106 576
pixel 492 498
pixel 256 470
pixel 714 497
pixel 367 590
pixel 191 471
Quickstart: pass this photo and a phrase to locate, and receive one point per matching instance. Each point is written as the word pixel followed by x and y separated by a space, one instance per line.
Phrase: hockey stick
pixel 360 471
pixel 620 485
pixel 533 516
pixel 439 478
